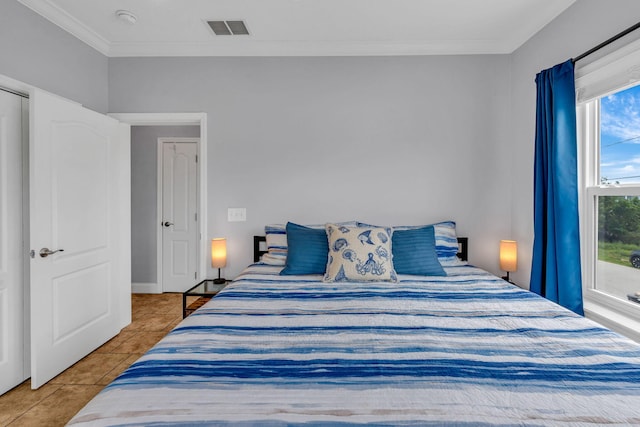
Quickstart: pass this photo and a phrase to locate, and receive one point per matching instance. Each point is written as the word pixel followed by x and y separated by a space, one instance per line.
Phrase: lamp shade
pixel 508 255
pixel 218 252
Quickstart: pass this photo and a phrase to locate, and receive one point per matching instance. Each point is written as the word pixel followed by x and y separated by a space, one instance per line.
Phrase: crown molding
pixel 68 23
pixel 304 48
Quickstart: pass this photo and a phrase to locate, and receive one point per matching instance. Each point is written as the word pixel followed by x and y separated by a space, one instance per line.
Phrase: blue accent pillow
pixel 446 241
pixel 414 252
pixel 308 250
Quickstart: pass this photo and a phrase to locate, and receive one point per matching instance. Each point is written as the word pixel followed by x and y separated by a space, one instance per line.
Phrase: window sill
pixel 612 319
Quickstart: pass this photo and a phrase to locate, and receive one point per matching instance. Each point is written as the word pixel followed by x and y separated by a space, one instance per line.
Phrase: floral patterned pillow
pixel 359 254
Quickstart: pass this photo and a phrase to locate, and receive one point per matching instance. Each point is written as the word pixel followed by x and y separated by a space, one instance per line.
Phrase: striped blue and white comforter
pixel 467 348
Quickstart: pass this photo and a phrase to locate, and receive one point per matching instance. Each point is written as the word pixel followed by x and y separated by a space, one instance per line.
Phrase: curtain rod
pixel 606 42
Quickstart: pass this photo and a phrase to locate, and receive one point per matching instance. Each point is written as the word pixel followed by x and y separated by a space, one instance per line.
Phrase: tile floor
pixel 55 403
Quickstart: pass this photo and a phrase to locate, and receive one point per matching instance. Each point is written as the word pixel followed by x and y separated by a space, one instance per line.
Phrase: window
pixel 618 221
pixel 609 138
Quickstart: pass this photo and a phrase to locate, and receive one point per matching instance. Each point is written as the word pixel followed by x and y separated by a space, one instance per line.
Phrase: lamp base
pixel 219 280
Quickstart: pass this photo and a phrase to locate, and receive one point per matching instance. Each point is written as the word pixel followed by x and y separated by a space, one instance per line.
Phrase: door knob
pixel 45 252
pixel 167 223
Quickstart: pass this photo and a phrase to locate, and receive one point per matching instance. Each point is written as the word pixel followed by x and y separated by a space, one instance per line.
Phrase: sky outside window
pixel 620 137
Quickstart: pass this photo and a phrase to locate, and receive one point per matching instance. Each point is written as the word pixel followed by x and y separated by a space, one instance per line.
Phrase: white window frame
pixel 614 72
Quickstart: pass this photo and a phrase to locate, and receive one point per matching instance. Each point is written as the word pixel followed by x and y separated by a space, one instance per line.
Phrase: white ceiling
pixel 303 27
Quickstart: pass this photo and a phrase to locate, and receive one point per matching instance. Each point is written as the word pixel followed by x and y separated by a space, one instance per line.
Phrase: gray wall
pixel 35 51
pixel 579 28
pixel 144 196
pixel 398 140
pixel 455 134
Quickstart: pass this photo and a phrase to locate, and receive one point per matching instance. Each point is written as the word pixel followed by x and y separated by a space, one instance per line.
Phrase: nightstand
pixel 204 290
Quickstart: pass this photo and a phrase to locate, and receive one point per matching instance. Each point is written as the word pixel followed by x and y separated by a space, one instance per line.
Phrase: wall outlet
pixel 236 214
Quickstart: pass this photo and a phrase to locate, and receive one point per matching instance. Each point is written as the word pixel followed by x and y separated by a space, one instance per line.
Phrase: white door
pixel 13 369
pixel 79 206
pixel 179 216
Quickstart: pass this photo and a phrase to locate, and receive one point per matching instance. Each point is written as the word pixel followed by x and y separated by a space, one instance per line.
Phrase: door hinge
pixel 195 275
pixel 196 158
pixel 196 216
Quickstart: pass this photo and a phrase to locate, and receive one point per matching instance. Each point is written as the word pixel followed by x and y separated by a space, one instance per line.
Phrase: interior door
pixel 12 283
pixel 80 233
pixel 179 216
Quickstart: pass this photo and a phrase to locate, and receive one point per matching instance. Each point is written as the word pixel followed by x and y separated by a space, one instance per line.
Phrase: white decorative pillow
pixel 359 254
pixel 276 238
pixel 447 244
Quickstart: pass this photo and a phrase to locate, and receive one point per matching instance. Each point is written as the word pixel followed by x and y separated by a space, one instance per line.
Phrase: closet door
pixel 12 328
pixel 80 232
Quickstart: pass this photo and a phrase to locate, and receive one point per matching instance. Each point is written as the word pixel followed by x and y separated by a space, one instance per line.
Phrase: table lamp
pixel 219 256
pixel 508 257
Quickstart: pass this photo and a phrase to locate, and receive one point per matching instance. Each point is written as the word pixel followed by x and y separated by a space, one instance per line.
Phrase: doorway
pixel 147 232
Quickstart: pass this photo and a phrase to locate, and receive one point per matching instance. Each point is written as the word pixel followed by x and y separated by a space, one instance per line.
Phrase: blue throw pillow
pixel 414 252
pixel 445 237
pixel 308 250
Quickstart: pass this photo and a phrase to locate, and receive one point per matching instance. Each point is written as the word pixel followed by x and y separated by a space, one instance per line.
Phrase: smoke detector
pixel 126 16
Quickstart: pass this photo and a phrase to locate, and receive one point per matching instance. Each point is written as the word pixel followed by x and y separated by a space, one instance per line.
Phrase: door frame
pixel 22 88
pixel 178 119
pixel 159 210
pixel 21 329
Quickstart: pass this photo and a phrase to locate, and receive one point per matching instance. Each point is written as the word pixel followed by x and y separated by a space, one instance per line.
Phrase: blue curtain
pixel 555 271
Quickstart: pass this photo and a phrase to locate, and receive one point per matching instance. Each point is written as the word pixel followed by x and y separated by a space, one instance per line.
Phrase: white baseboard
pixel 145 288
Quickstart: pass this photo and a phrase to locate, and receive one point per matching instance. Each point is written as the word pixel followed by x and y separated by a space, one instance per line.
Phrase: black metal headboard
pixel 257 250
pixel 463 248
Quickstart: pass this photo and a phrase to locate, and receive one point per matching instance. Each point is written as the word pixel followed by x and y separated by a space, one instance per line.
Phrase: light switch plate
pixel 236 214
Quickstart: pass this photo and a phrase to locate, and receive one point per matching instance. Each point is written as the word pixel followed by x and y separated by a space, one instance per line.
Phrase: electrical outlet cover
pixel 236 214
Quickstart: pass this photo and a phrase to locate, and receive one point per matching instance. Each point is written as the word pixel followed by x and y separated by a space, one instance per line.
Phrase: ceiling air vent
pixel 228 28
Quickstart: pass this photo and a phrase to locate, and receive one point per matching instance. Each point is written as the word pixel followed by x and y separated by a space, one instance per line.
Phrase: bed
pixel 463 349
